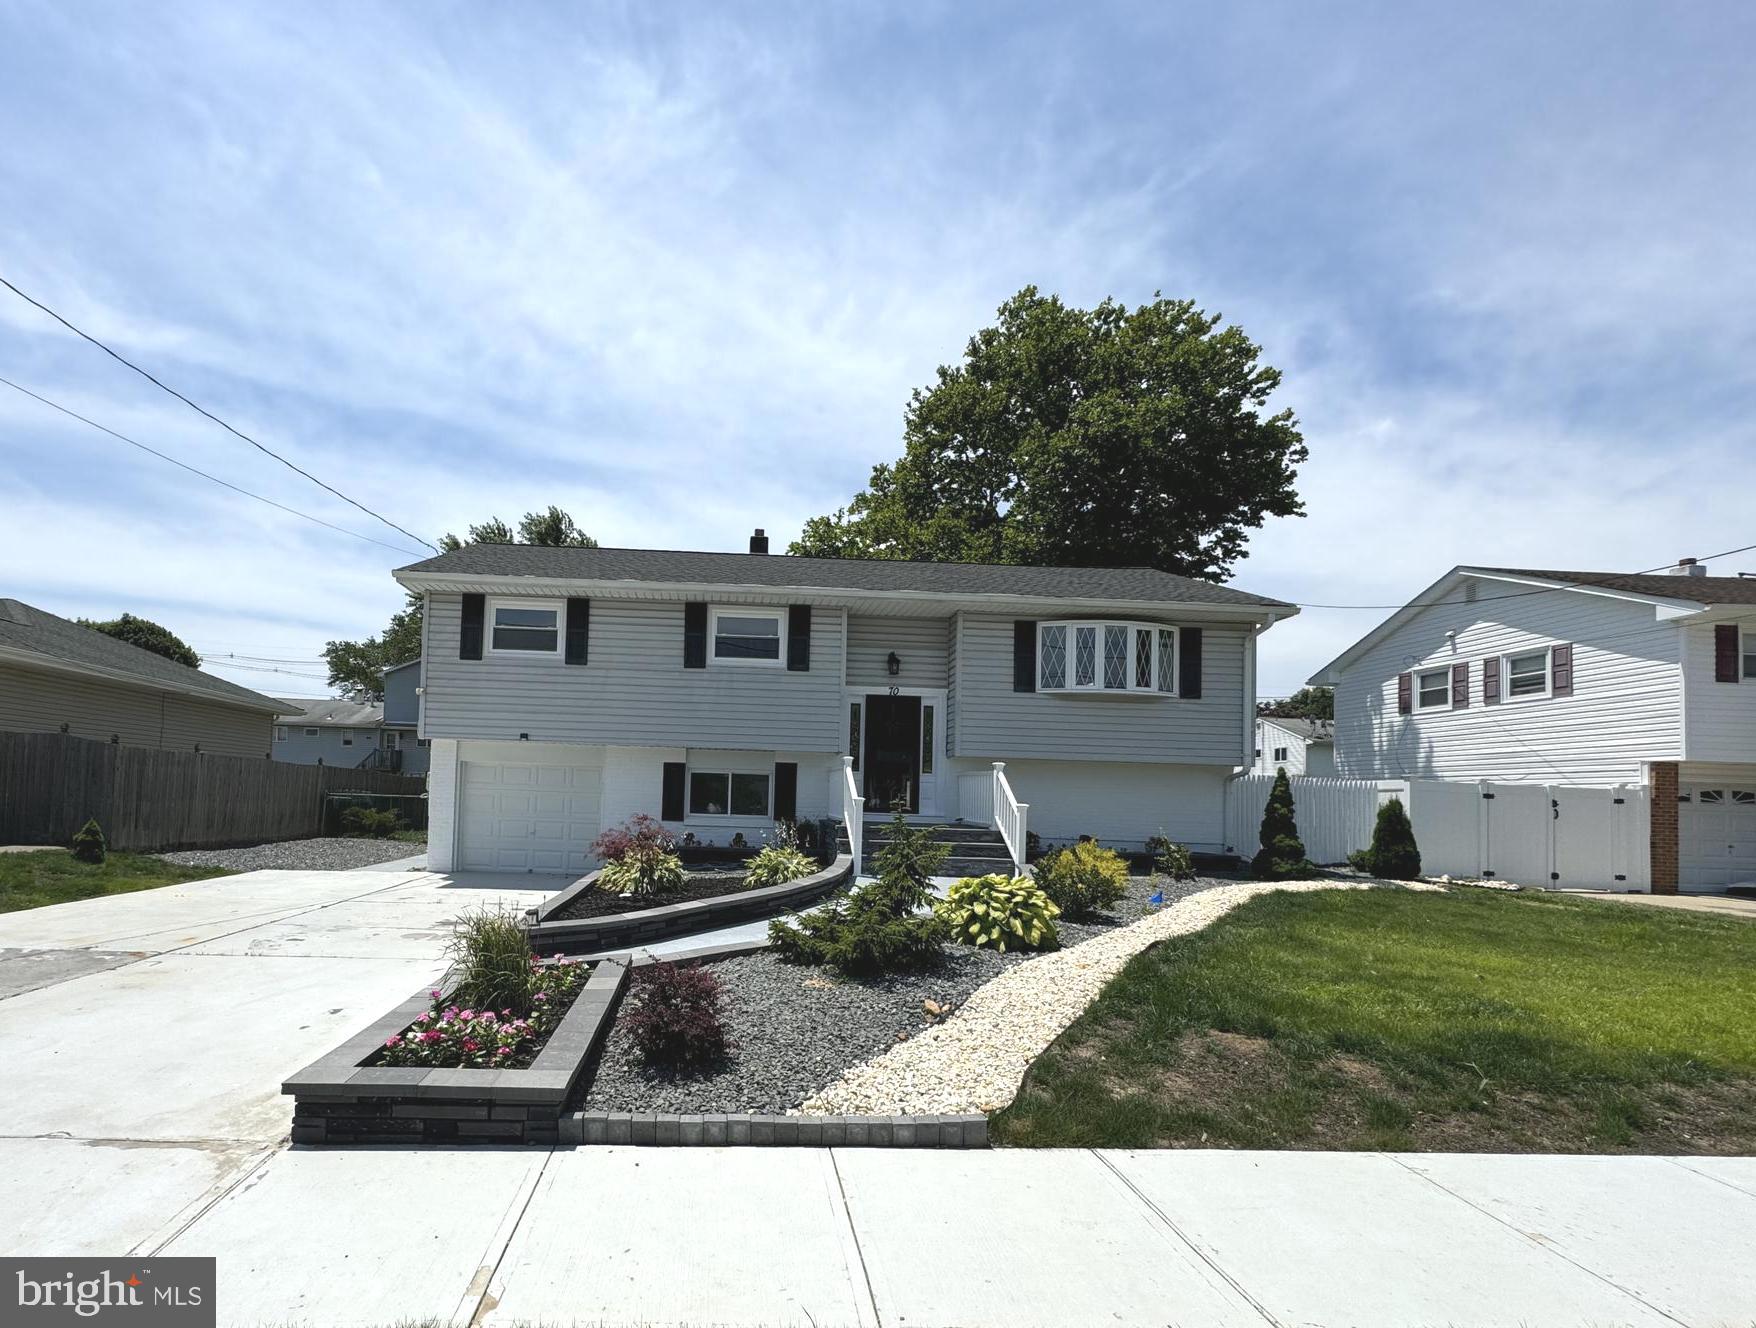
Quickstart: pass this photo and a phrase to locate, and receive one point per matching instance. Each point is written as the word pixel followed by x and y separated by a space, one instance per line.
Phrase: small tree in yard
pixel 89 844
pixel 675 1017
pixel 1283 852
pixel 1394 854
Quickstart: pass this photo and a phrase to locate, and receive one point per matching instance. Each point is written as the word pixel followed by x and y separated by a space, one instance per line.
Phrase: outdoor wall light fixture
pixel 524 737
pixel 893 665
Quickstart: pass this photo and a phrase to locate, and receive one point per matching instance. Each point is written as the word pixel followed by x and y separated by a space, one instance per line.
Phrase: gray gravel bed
pixel 299 855
pixel 798 1029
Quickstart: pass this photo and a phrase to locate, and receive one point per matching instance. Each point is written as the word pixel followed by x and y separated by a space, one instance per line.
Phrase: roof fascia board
pixel 831 595
pixel 55 664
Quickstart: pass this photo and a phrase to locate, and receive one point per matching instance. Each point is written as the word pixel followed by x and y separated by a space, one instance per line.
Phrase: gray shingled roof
pixel 784 571
pixel 328 710
pixel 38 632
pixel 1311 730
pixel 1696 589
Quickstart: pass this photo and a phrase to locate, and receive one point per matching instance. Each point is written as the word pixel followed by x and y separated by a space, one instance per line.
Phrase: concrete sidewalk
pixel 617 1236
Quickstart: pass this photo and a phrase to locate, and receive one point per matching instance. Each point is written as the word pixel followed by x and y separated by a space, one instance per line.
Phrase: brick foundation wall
pixel 1664 827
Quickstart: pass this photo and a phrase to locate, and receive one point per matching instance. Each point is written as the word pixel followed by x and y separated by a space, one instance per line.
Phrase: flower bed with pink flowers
pixel 454 1036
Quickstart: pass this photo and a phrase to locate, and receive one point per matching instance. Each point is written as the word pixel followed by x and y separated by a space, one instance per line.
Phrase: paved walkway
pixel 144 1037
pixel 1730 906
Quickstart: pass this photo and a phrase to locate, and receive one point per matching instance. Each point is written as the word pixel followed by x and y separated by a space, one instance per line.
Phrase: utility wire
pixel 204 475
pixel 267 451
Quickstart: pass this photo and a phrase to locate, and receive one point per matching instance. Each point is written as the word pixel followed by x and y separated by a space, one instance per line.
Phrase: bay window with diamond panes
pixel 1107 658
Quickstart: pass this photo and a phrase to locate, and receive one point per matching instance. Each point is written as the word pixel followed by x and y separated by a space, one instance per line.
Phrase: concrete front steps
pixel 975 850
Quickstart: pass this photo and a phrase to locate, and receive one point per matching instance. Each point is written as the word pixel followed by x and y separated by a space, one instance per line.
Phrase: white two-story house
pixel 1294 744
pixel 566 689
pixel 1572 678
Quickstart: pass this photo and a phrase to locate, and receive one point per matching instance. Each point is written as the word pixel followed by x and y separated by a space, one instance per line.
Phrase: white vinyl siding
pixel 635 690
pixel 991 720
pixel 1624 712
pixel 39 701
pixel 1721 715
pixel 921 644
pixel 1121 803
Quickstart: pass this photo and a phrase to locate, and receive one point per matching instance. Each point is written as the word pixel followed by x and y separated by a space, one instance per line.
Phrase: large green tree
pixel 1306 703
pixel 148 635
pixel 356 668
pixel 1095 437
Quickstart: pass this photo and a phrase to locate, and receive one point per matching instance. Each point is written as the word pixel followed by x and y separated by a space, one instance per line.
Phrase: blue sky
pixel 677 269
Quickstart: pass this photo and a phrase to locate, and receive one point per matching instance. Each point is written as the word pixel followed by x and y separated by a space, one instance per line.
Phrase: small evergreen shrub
pixel 880 927
pixel 1171 859
pixel 674 1015
pixel 642 871
pixel 1084 879
pixel 368 823
pixel 89 844
pixel 1282 856
pixel 1001 913
pixel 638 833
pixel 1394 855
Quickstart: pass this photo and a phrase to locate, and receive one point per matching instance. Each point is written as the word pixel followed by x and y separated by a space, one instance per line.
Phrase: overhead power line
pixel 202 410
pixel 184 465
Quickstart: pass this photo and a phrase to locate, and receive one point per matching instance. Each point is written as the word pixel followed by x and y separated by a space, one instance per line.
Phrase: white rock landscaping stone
pixel 977 1059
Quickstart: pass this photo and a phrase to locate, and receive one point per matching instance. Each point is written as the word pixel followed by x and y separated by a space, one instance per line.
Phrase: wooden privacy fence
pixel 147 799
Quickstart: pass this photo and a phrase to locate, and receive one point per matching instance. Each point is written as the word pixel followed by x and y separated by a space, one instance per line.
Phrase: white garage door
pixel 516 816
pixel 1716 827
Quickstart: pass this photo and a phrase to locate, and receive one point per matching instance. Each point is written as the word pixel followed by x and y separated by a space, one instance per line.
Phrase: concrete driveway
pixel 144 1037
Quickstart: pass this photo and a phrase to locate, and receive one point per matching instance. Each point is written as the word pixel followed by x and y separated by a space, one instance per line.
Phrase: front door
pixel 893 753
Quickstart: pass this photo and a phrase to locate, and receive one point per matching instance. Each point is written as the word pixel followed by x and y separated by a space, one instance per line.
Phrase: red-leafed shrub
pixel 639 831
pixel 674 1015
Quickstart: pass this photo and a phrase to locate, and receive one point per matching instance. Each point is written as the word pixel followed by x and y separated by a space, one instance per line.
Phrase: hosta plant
pixel 1000 913
pixel 453 1033
pixel 1083 879
pixel 777 864
pixel 642 871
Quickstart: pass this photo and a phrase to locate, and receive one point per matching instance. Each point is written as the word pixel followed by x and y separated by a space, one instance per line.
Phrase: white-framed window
pixel 1527 674
pixel 311 733
pixel 1748 641
pixel 280 732
pixel 748 636
pixel 1433 689
pixel 347 737
pixel 1115 657
pixel 524 626
pixel 1280 754
pixel 728 793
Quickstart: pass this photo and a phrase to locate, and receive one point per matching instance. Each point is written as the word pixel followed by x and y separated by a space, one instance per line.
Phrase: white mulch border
pixel 976 1060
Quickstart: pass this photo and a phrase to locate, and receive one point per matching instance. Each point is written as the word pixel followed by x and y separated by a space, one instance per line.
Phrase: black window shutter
pixel 695 636
pixel 1725 652
pixel 1561 671
pixel 786 790
pixel 671 804
pixel 1405 693
pixel 1491 681
pixel 1024 655
pixel 799 638
pixel 1189 663
pixel 469 637
pixel 1460 687
pixel 578 630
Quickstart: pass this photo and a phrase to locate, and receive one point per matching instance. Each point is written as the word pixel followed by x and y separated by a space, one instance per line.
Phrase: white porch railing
pixel 853 810
pixel 1010 817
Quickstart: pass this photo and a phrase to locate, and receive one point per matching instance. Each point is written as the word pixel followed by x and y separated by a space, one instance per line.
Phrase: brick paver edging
pixel 715 1131
pixel 626 931
pixel 341 1100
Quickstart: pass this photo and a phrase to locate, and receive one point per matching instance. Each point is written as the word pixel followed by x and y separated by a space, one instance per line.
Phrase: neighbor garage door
pixel 527 816
pixel 1716 827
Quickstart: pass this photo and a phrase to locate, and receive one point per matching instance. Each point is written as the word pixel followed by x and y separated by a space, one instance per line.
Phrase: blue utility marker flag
pixel 1158 898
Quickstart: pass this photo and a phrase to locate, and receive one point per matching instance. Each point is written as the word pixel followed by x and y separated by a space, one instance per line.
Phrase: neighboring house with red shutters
pixel 1572 678
pixel 564 690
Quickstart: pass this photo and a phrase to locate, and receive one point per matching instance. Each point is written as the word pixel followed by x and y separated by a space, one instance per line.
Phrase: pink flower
pixel 487 1016
pixel 434 993
pixel 470 1044
pixel 423 1017
pixel 469 1014
pixel 391 1041
pixel 541 996
pixel 431 1035
pixel 504 1051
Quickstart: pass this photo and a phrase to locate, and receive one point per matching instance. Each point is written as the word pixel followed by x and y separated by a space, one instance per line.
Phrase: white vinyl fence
pixel 1532 834
pixel 1335 816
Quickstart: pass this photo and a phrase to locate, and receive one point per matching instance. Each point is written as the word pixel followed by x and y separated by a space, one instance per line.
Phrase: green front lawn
pixel 1467 1021
pixel 30 880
